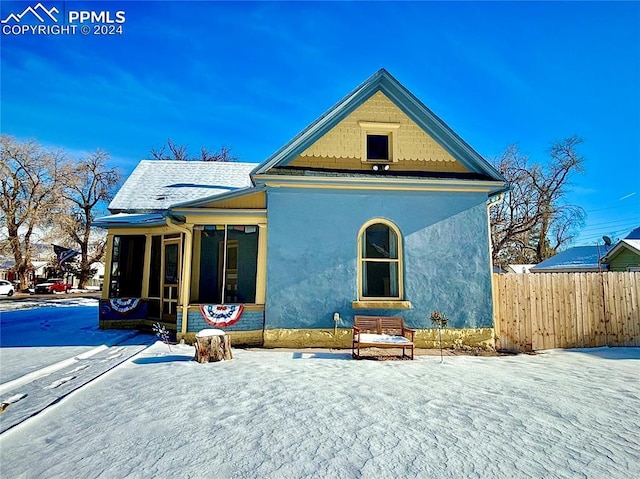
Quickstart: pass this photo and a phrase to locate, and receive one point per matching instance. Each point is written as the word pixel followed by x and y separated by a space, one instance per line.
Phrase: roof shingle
pixel 156 185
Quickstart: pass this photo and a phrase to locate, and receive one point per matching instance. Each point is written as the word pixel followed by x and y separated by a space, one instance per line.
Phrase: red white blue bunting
pixel 124 305
pixel 221 315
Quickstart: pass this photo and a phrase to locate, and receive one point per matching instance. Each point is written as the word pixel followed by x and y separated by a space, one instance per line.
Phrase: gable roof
pixel 383 81
pixel 630 242
pixel 632 245
pixel 576 259
pixel 156 185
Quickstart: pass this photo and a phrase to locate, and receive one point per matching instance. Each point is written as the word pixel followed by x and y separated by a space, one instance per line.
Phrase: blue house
pixel 377 207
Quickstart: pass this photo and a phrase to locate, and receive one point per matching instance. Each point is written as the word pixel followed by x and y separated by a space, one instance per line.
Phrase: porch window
pixel 380 261
pixel 127 263
pixel 155 266
pixel 229 264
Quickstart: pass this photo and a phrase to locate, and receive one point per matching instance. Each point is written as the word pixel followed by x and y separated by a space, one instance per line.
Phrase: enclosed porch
pixel 173 273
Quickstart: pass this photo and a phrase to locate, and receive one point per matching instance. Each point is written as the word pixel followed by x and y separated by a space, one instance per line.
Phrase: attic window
pixel 377 147
pixel 378 143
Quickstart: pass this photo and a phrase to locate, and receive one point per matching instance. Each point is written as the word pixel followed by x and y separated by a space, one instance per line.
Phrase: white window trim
pixel 379 128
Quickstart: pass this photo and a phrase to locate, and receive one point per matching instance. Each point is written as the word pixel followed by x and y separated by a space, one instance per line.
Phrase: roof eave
pixel 128 220
pixel 486 186
pixel 587 269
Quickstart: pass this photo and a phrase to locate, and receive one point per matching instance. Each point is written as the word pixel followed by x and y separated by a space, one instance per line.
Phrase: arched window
pixel 379 261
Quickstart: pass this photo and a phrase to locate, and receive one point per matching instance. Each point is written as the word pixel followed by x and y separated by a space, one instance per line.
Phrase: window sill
pixel 371 161
pixel 381 304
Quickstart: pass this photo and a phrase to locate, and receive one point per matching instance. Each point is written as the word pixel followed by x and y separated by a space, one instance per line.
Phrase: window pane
pixel 380 279
pixel 378 147
pixel 232 256
pixel 126 266
pixel 171 263
pixel 380 242
pixel 153 310
pixel 155 266
pixel 242 261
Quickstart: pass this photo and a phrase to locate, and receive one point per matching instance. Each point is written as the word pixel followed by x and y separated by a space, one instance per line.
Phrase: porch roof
pixel 130 219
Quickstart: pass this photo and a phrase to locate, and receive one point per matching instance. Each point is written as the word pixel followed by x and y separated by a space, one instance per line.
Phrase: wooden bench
pixel 381 332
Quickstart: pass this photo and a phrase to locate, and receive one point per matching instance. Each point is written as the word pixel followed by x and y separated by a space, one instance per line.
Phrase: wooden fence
pixel 566 310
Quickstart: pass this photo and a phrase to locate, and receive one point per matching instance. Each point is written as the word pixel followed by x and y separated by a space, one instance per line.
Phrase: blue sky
pixel 251 75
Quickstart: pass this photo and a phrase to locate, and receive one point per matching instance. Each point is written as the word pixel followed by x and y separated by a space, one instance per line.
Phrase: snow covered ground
pixel 273 414
pixel 38 333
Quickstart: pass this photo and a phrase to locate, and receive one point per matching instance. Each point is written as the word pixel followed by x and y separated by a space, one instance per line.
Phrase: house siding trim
pixel 388 183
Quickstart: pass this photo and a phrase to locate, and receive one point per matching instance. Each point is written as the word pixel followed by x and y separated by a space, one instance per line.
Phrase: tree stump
pixel 212 345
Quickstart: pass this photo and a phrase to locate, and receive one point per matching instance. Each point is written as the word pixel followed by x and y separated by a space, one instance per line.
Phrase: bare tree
pixel 30 178
pixel 173 151
pixel 534 222
pixel 176 152
pixel 91 184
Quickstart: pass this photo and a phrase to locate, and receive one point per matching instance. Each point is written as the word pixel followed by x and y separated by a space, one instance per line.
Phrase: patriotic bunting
pixel 124 306
pixel 221 315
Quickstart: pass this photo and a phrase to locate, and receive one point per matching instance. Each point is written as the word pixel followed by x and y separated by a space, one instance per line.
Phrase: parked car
pixel 53 286
pixel 6 288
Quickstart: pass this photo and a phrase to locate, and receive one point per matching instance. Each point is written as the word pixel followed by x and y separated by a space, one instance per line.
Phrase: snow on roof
pixel 130 219
pixel 578 258
pixel 156 185
pixel 634 243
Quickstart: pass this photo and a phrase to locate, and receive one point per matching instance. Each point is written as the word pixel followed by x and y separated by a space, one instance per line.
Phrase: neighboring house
pixel 519 268
pixel 376 208
pixel 95 282
pixel 625 255
pixel 6 269
pixel 36 272
pixel 40 269
pixel 579 259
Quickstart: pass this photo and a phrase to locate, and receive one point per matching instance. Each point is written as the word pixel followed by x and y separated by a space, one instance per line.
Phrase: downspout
pixel 186 270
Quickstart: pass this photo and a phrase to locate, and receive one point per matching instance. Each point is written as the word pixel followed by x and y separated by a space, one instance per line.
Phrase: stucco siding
pixel 312 256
